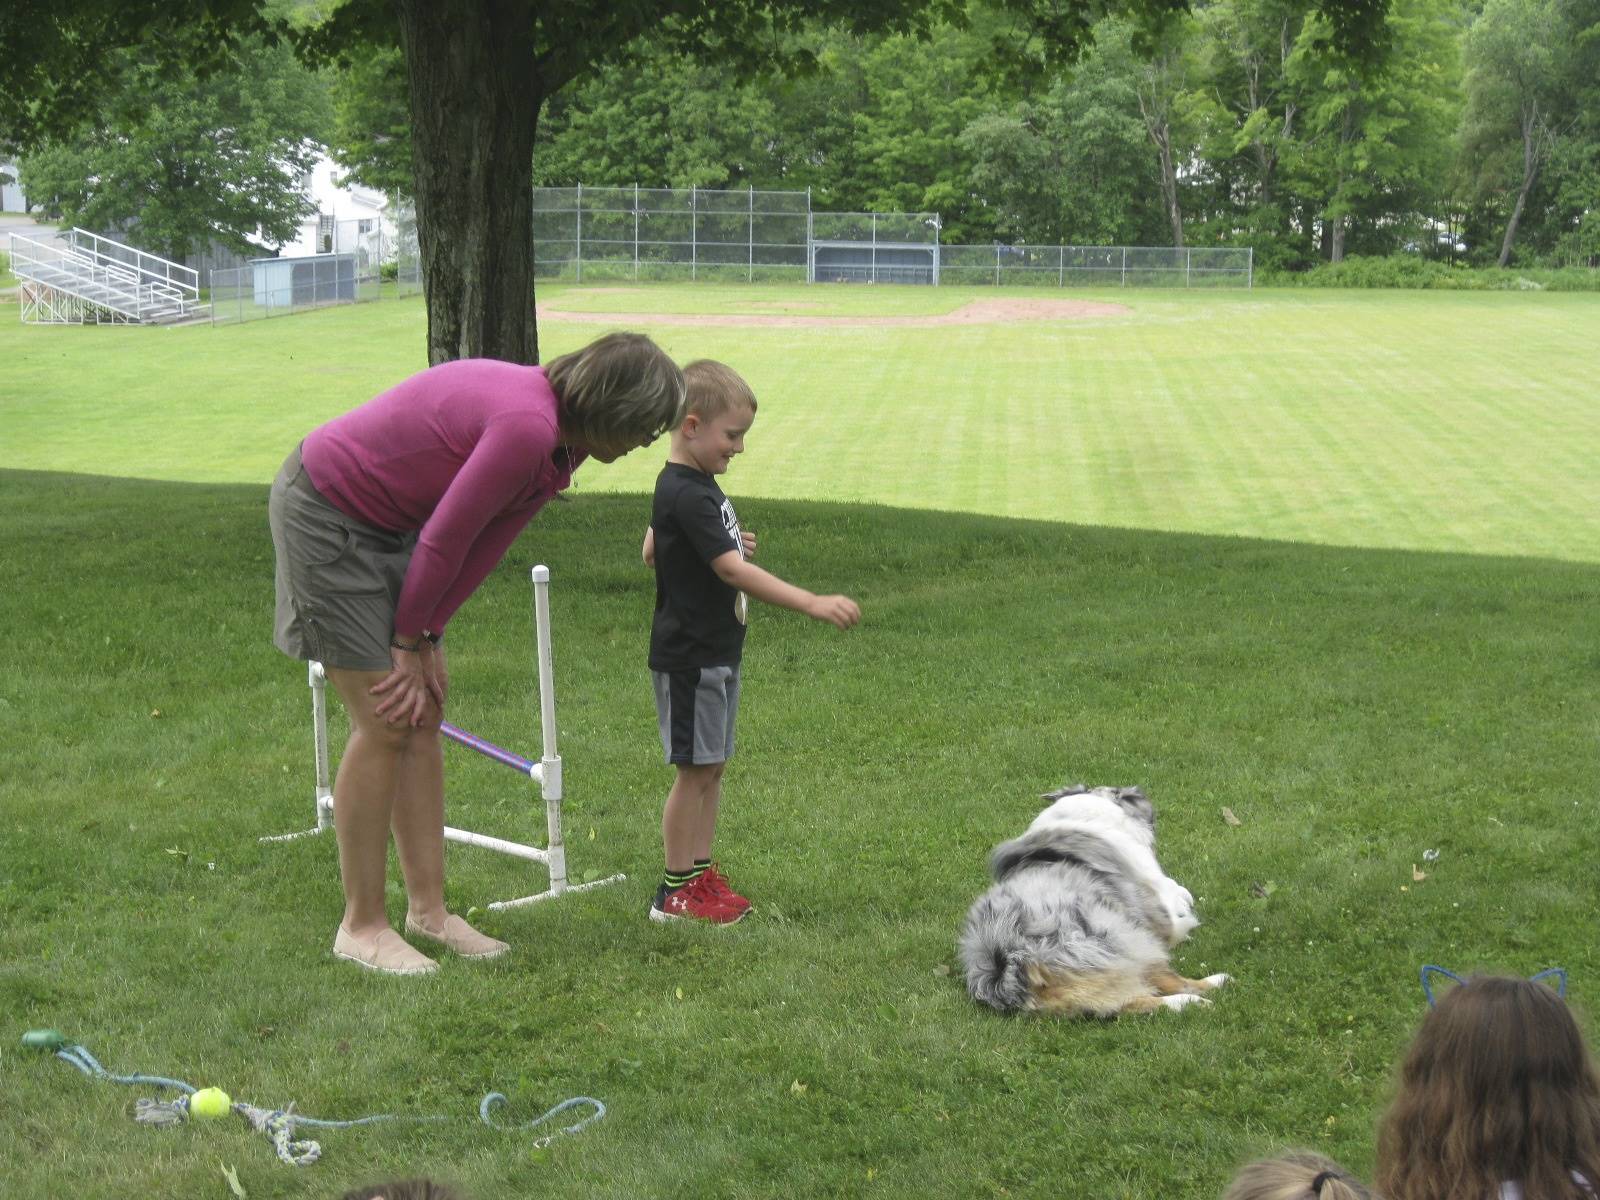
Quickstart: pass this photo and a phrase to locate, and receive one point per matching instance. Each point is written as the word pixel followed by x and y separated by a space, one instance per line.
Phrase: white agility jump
pixel 546 773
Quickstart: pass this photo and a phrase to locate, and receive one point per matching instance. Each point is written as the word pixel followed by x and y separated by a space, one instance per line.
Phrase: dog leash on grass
pixel 279 1124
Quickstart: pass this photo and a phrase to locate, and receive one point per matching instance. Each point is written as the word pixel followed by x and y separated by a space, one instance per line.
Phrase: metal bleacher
pixel 84 278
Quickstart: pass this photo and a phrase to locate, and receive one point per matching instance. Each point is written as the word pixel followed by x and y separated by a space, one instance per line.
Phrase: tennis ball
pixel 209 1103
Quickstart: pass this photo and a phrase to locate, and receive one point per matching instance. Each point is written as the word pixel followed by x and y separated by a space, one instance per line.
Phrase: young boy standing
pixel 703 575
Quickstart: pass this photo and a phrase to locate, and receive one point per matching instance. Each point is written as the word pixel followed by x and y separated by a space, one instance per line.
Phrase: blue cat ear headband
pixel 1560 974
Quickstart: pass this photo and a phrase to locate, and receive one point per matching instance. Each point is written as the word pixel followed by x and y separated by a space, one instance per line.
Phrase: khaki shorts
pixel 338 580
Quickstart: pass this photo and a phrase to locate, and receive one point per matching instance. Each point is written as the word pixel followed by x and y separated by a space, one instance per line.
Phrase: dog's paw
pixel 1216 980
pixel 1183 1000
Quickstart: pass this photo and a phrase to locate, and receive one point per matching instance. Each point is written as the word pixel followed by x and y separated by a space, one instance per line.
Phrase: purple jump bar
pixel 488 749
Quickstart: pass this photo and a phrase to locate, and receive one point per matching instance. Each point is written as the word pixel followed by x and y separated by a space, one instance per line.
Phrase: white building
pixel 11 199
pixel 348 219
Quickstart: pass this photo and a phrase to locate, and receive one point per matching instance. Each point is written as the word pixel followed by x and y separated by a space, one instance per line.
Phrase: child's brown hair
pixel 715 388
pixel 1497 1087
pixel 1296 1175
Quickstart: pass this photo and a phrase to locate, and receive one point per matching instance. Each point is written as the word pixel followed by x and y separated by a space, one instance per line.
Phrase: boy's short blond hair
pixel 715 388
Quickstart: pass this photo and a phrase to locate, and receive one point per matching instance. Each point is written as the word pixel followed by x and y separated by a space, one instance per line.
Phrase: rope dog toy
pixel 279 1124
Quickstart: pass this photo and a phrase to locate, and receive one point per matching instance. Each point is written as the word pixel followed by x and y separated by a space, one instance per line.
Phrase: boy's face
pixel 709 444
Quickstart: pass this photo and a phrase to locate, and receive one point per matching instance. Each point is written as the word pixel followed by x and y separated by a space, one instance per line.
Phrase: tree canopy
pixel 1298 126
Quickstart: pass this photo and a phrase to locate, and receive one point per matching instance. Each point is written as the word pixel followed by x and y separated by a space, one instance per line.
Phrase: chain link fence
pixel 1097 266
pixel 362 262
pixel 597 233
pixel 609 233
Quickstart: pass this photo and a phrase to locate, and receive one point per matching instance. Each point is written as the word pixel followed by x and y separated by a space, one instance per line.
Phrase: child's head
pixel 1497 1086
pixel 1296 1175
pixel 617 393
pixel 714 389
pixel 717 412
pixel 402 1189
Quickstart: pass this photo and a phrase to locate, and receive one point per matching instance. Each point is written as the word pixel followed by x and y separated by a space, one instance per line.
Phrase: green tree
pixel 1380 142
pixel 219 156
pixel 478 73
pixel 664 119
pixel 1517 55
pixel 372 121
pixel 1257 60
pixel 1174 115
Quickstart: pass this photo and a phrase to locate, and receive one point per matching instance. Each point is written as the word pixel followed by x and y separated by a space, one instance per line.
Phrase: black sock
pixel 673 880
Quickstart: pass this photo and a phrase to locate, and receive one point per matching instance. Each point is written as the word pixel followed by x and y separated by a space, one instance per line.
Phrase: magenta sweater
pixel 464 453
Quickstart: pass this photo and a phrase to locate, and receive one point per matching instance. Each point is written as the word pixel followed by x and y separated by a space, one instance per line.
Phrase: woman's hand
pixel 405 689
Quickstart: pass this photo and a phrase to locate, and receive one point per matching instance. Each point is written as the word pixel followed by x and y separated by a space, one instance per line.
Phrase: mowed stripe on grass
pixel 1387 419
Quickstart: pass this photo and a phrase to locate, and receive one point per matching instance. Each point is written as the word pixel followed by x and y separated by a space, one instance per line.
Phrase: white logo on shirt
pixel 730 522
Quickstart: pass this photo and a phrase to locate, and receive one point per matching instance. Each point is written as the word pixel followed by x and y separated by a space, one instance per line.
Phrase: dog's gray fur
pixel 1072 899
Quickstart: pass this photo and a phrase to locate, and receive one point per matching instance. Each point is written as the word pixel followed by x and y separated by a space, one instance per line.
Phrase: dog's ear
pixel 1071 789
pixel 1136 804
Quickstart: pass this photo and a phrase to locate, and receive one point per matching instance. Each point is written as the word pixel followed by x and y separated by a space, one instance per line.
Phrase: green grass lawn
pixel 1414 420
pixel 1360 677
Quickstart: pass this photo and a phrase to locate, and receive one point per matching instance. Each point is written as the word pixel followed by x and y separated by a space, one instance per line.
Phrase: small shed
pixel 301 282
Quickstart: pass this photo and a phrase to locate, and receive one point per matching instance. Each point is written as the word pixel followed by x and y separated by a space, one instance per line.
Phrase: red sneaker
pixel 693 902
pixel 717 884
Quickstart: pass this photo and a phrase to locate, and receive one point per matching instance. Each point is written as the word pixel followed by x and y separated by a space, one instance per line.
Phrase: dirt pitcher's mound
pixel 979 312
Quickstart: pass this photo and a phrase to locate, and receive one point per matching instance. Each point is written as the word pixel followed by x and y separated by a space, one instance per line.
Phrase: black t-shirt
pixel 699 620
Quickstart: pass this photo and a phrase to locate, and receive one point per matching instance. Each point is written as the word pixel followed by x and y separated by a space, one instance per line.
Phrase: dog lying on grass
pixel 1081 918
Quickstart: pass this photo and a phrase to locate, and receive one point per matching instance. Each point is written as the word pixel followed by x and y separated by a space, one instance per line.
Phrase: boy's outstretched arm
pixel 649 545
pixel 764 585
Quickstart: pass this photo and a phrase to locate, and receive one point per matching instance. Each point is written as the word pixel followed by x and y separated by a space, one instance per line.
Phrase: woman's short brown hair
pixel 621 387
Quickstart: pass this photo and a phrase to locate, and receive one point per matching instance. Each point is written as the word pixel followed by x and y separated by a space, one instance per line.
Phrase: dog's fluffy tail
pixel 1006 969
pixel 993 952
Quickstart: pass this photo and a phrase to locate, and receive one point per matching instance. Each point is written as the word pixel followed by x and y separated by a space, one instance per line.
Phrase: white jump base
pixel 545 773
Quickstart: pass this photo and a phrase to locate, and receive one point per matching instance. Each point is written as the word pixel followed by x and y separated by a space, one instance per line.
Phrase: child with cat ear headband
pixel 1498 1097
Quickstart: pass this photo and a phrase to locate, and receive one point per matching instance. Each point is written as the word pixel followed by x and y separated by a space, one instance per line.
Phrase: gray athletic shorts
pixel 338 580
pixel 697 709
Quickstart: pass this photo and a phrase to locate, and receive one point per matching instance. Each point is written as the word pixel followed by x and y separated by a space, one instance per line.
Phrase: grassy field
pixel 1158 599
pixel 1382 419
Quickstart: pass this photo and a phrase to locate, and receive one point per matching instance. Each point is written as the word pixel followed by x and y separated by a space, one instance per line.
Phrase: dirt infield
pixel 1003 311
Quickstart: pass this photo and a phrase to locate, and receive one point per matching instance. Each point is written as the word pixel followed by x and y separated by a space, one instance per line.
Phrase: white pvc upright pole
pixel 550 760
pixel 319 723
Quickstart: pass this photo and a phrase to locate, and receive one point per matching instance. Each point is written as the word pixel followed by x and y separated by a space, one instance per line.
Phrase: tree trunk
pixel 1530 170
pixel 1154 111
pixel 1161 134
pixel 1336 242
pixel 475 97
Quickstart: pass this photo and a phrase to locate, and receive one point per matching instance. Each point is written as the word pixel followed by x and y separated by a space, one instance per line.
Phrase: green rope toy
pixel 278 1124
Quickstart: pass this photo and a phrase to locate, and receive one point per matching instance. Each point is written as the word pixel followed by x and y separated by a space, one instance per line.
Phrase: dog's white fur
pixel 1081 917
pixel 1135 839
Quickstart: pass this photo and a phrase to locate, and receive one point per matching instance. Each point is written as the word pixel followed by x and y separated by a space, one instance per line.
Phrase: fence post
pixel 1186 253
pixel 750 275
pixel 997 264
pixel 1250 271
pixel 811 242
pixel 1061 265
pixel 578 210
pixel 694 236
pixel 636 233
pixel 1124 266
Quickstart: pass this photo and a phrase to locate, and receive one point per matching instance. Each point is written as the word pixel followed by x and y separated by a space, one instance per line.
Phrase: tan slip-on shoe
pixel 461 938
pixel 388 952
